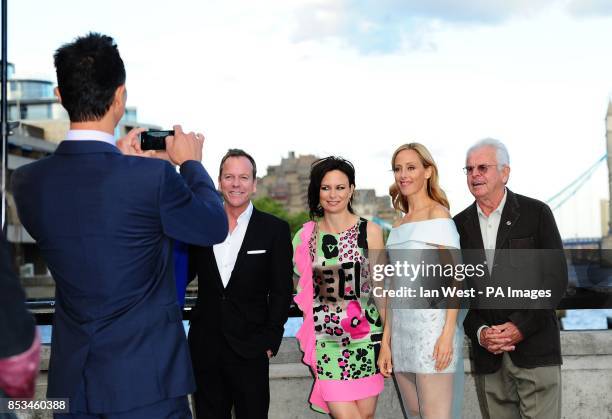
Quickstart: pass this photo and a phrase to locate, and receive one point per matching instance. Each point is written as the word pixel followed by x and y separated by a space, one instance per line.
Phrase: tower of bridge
pixel 606 241
pixel 609 159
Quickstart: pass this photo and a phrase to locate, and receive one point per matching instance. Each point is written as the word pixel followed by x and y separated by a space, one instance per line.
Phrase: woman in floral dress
pixel 342 329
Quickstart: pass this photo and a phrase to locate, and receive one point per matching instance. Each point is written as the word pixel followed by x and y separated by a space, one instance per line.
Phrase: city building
pixel 287 183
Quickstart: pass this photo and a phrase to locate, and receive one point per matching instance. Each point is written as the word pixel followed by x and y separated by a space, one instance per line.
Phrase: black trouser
pixel 230 380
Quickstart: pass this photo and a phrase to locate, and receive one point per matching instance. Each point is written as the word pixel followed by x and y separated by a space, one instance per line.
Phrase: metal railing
pixel 575 298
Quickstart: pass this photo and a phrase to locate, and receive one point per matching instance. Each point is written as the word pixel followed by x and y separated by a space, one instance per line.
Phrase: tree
pixel 269 205
pixel 297 220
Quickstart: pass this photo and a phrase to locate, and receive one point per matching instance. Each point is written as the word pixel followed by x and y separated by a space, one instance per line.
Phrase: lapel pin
pixel 508 222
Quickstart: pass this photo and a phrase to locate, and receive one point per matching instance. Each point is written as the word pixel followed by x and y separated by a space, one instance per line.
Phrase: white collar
pixel 246 214
pixel 90 135
pixel 499 208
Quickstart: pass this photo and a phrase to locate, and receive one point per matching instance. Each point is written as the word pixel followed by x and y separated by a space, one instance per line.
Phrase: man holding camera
pixel 104 218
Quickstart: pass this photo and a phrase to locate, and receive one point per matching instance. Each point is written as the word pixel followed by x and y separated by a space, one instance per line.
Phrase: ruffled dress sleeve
pixel 304 300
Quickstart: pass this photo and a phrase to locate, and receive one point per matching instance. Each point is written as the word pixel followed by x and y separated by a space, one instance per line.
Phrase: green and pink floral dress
pixel 342 329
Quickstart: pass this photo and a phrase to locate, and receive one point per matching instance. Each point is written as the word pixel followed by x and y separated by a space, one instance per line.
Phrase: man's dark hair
pixel 236 152
pixel 318 170
pixel 89 71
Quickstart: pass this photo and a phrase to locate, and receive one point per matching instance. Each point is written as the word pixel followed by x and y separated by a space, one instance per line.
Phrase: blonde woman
pixel 422 346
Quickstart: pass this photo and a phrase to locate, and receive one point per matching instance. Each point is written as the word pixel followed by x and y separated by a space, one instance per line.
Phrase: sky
pixel 359 78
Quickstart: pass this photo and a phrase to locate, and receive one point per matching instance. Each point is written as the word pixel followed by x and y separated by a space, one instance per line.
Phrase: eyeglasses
pixel 481 168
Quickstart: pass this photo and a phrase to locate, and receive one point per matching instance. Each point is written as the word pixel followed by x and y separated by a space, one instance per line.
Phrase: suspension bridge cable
pixel 575 185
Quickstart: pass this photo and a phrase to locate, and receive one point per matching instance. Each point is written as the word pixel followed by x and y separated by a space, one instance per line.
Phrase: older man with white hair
pixel 516 352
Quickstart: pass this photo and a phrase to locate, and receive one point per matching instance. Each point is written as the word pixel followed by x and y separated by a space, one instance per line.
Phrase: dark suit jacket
pixel 250 313
pixel 104 223
pixel 533 223
pixel 16 324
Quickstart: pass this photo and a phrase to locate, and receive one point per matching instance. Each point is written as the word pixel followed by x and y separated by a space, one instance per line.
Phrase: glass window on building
pixel 38 111
pixel 30 89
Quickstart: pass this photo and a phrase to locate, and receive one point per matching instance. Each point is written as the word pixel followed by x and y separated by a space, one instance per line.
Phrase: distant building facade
pixel 287 183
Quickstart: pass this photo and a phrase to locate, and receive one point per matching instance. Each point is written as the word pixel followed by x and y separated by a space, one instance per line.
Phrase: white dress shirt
pixel 488 228
pixel 226 253
pixel 90 135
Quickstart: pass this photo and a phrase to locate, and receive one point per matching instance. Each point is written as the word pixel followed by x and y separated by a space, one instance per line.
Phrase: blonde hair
pixel 434 191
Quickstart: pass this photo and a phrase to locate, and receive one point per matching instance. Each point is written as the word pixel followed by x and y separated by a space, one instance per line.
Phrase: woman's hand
pixel 385 365
pixel 443 350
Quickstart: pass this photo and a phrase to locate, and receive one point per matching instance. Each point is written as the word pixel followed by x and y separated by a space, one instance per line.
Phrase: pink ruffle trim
pixel 303 299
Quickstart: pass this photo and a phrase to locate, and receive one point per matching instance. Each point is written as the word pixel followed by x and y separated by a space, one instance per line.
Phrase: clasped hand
pixel 500 338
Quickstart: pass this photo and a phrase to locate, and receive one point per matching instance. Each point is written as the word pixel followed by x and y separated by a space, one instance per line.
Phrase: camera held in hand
pixel 154 139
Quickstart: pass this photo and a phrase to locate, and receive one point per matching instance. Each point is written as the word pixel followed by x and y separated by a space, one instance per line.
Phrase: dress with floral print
pixel 348 327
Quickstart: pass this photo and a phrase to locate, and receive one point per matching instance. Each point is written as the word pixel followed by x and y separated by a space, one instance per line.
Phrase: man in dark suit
pixel 104 222
pixel 244 292
pixel 516 352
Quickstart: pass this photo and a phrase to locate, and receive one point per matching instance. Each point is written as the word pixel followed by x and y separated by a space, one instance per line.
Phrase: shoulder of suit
pixel 526 203
pixel 35 165
pixel 270 218
pixel 462 215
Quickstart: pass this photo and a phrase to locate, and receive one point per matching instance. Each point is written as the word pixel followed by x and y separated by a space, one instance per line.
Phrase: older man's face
pixel 485 181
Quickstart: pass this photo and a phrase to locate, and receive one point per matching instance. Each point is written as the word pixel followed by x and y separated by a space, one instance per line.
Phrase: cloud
pixel 466 11
pixel 368 28
pixel 590 8
pixel 386 26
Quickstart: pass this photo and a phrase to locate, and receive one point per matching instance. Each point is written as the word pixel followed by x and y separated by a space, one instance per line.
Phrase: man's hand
pixel 269 353
pixel 130 144
pixel 508 332
pixel 182 147
pixel 492 340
